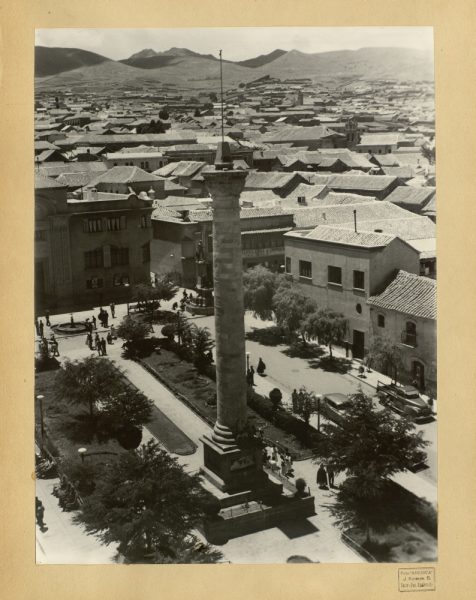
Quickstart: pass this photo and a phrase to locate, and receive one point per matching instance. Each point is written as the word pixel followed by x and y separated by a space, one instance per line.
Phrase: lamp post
pixel 82 452
pixel 42 423
pixel 126 285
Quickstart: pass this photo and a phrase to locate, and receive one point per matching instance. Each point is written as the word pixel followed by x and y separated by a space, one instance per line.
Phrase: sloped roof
pixel 380 139
pixel 412 228
pixel 123 174
pixel 73 167
pixel 385 160
pixel 271 180
pixel 409 294
pixel 188 168
pixel 361 182
pixel 404 172
pixel 43 183
pixel 348 237
pixel 294 134
pixel 75 180
pixel 411 196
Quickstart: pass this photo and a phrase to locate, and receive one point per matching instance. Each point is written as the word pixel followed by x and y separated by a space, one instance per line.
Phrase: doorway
pixel 418 374
pixel 358 344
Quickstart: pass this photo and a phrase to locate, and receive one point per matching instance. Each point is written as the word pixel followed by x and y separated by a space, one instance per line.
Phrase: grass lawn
pixel 181 376
pixel 67 427
pixel 169 434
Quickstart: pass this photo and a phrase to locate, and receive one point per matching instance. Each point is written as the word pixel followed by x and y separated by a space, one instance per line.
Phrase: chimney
pixel 151 194
pixel 355 221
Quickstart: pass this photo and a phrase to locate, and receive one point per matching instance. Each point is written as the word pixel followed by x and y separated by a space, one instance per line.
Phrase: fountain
pixel 71 327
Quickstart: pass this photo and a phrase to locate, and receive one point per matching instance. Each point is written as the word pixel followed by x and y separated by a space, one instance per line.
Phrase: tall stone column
pixel 225 188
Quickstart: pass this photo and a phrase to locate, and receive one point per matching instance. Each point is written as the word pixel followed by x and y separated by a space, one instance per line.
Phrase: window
pixel 40 235
pixel 334 275
pixel 409 336
pixel 358 308
pixel 120 279
pixel 288 264
pixel 380 320
pixel 119 256
pixel 146 253
pixel 116 223
pixel 94 283
pixel 305 269
pixel 144 221
pixel 359 280
pixel 92 225
pixel 94 259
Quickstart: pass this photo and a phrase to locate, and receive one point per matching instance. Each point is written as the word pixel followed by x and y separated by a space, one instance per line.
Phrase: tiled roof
pixel 385 160
pixel 404 172
pixel 348 237
pixel 42 182
pixel 188 168
pixel 409 294
pixel 411 196
pixel 166 170
pixel 290 134
pixel 361 182
pixel 380 139
pixel 75 180
pixel 412 228
pixel 123 174
pixel 165 214
pixel 269 181
pixel 73 167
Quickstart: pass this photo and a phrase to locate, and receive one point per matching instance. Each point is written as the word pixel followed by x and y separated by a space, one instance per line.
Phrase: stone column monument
pixel 232 459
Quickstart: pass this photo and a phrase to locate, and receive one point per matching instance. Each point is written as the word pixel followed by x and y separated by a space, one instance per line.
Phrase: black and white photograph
pixel 235 296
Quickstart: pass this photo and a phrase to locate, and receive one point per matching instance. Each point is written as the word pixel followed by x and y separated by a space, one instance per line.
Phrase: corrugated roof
pixel 409 294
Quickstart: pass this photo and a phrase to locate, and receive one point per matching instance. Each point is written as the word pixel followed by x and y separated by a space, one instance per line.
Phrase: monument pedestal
pixel 236 468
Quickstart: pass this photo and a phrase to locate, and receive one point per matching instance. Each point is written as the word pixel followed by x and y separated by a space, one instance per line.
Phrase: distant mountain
pixel 365 63
pixel 187 69
pixel 51 61
pixel 262 59
pixel 150 59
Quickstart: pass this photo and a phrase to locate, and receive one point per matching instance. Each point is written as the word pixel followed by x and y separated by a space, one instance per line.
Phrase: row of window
pixel 116 223
pixel 94 259
pixel 250 242
pixel 334 274
pixel 98 282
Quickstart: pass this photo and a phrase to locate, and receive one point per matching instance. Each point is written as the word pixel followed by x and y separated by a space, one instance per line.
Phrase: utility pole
pixel 221 93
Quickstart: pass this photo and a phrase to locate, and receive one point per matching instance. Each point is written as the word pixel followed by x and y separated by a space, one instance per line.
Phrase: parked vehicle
pixel 334 406
pixel 405 400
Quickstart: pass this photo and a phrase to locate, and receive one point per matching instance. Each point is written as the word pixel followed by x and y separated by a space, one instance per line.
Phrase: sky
pixel 237 43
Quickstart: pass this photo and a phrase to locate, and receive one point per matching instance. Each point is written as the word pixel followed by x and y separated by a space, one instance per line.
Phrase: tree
pixel 242 85
pixel 129 408
pixel 149 295
pixel 152 127
pixel 146 503
pixel 428 152
pixel 259 286
pixel 291 308
pixel 202 344
pixel 88 381
pixel 385 356
pixel 327 326
pixel 183 330
pixel 132 331
pixel 372 444
pixel 163 114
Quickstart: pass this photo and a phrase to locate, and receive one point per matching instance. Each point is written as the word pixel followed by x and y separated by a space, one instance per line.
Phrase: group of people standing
pixel 250 372
pixel 48 347
pixel 325 477
pixel 98 343
pixel 279 461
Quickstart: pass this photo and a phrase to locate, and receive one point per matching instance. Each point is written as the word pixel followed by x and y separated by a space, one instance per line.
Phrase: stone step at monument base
pixel 253 516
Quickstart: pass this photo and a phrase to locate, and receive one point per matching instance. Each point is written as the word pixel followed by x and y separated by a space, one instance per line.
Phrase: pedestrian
pixel 283 465
pixel 174 306
pixel 55 348
pixel 97 339
pixel 40 511
pixel 41 328
pixel 109 338
pixel 106 318
pixel 103 347
pixel 37 327
pixel 321 478
pixel 94 322
pixel 330 476
pixel 47 318
pixel 112 306
pixel 294 400
pixel 261 367
pixel 88 340
pixel 113 332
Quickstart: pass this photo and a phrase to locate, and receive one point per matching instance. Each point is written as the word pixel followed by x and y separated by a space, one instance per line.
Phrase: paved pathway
pixel 317 538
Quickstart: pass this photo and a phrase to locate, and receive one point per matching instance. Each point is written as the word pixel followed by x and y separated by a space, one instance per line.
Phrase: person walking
pixel 294 400
pixel 321 478
pixel 41 328
pixel 47 318
pixel 106 318
pixel 94 322
pixel 109 338
pixel 330 476
pixel 112 306
pixel 40 512
pixel 261 367
pixel 97 340
pixel 103 347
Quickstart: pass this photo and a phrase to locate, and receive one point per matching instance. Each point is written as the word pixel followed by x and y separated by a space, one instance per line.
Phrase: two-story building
pixel 405 312
pixel 340 268
pixel 177 235
pixel 89 249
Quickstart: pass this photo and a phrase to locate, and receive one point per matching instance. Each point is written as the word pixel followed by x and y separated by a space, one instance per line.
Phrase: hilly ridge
pixel 183 67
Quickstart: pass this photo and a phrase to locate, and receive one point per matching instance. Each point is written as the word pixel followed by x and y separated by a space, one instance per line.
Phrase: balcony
pixel 409 339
